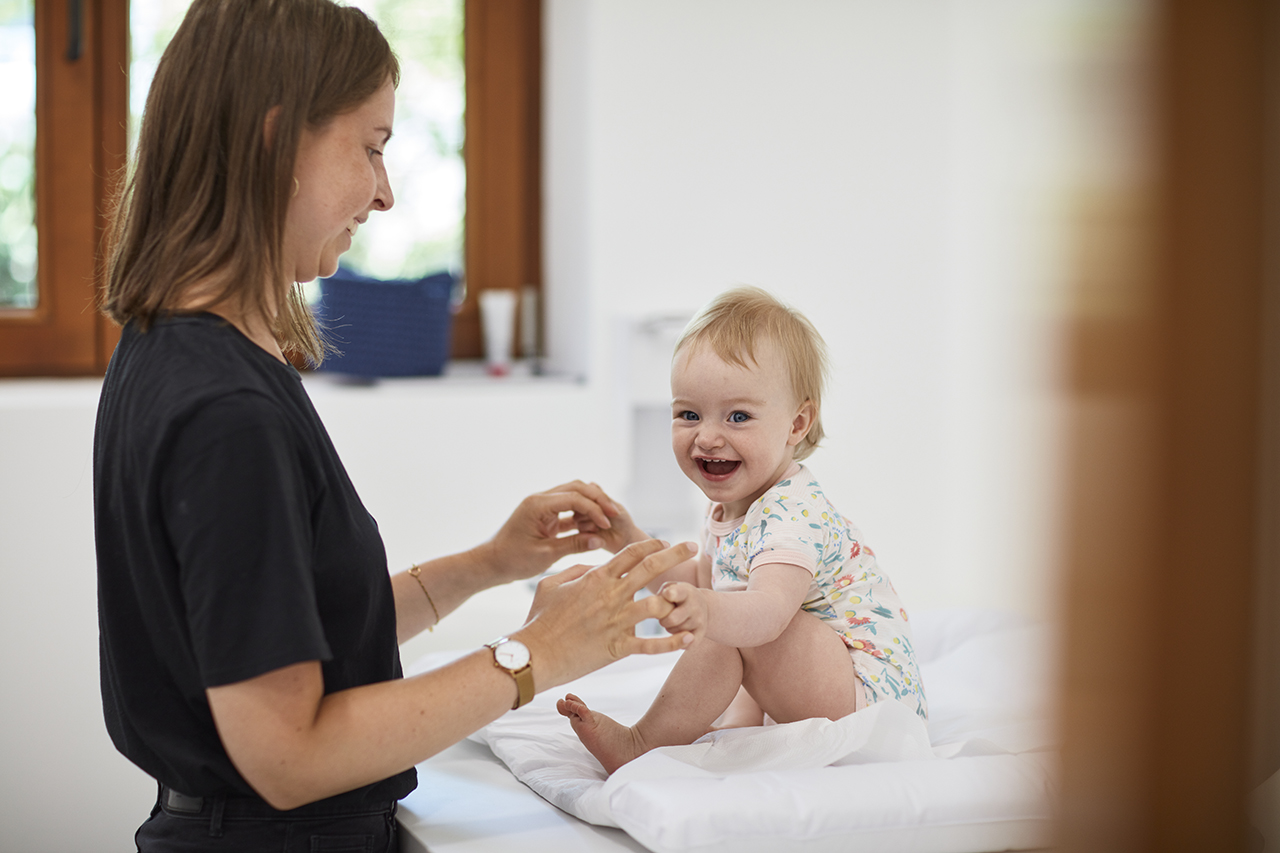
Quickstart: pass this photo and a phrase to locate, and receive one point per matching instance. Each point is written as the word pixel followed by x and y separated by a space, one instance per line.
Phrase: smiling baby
pixel 791 615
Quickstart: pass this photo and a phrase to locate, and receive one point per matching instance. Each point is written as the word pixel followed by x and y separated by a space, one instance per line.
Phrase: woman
pixel 248 624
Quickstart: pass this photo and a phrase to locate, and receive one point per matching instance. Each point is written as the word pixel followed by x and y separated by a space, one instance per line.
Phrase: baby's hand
pixel 690 612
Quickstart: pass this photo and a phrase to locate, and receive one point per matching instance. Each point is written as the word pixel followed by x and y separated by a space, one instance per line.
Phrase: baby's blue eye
pixel 739 418
pixel 686 416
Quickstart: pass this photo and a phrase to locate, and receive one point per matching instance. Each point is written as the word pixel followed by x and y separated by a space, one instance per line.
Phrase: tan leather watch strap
pixel 524 685
pixel 523 675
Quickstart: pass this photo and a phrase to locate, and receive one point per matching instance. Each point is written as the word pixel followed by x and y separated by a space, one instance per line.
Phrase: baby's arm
pixel 743 619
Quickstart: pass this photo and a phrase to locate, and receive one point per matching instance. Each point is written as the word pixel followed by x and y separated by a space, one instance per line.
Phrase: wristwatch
pixel 513 656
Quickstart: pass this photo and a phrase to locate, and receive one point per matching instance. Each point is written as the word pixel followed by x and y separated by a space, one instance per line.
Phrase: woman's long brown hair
pixel 209 190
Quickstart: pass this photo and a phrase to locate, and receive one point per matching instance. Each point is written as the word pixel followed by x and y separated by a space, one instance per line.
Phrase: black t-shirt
pixel 230 543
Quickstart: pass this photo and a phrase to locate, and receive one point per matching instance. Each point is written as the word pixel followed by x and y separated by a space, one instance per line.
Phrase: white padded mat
pixel 979 777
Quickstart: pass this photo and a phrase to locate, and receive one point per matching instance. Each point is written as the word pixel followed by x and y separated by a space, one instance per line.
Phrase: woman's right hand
pixel 584 618
pixel 294 743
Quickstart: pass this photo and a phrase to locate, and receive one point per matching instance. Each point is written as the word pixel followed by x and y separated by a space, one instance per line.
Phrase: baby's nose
pixel 709 437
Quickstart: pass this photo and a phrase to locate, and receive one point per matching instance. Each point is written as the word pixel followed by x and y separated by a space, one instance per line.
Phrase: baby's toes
pixel 572 706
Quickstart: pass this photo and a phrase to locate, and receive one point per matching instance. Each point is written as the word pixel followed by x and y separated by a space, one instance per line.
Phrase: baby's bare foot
pixel 612 743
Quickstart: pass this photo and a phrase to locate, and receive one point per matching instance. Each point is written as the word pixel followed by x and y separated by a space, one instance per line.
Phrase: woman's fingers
pixel 670 616
pixel 578 523
pixel 659 645
pixel 564 546
pixel 649 607
pixel 588 620
pixel 653 564
pixel 556 506
pixel 629 558
pixel 581 498
pixel 593 492
pixel 570 574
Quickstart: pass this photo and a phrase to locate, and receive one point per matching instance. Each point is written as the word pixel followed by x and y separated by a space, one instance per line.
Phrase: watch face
pixel 512 655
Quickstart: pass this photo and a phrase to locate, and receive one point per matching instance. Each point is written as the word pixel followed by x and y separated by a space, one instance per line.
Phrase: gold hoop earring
pixel 296 187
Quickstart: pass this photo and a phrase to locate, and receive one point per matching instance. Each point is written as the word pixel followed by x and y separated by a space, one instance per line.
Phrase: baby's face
pixel 733 429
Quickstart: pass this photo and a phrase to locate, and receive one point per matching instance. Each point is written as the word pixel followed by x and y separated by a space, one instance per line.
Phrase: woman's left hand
pixel 539 532
pixel 621 532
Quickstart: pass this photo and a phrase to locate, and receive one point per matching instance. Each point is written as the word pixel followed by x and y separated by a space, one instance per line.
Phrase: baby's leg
pixel 697 691
pixel 741 713
pixel 806 672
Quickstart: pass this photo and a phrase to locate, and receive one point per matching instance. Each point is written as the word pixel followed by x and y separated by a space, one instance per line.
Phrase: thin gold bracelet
pixel 416 571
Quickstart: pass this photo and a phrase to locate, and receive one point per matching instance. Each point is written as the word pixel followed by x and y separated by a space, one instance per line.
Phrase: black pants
pixel 226 824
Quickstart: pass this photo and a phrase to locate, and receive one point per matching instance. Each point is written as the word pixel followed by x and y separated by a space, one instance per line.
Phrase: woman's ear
pixel 801 423
pixel 269 127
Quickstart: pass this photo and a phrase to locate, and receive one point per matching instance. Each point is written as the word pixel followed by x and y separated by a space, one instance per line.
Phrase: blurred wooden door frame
pixel 82 119
pixel 1167 541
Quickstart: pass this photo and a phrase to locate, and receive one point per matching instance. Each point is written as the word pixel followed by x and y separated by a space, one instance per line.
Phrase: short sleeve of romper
pixel 794 523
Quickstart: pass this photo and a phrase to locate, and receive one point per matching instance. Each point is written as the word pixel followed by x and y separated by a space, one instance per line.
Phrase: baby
pixel 791 615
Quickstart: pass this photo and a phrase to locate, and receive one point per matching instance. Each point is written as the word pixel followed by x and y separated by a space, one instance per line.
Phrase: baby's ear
pixel 801 423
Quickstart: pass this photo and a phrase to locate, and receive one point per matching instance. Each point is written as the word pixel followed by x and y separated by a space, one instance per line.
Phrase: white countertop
pixel 467 801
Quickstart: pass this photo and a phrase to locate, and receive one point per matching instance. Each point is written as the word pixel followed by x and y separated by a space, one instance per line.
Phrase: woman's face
pixel 340 179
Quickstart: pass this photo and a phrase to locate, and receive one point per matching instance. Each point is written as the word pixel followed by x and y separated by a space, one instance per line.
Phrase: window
pixel 424 161
pixel 53 328
pixel 18 156
pixel 81 108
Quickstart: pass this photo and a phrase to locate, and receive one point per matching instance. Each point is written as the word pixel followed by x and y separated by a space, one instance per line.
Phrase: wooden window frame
pixel 81 111
pixel 81 147
pixel 503 42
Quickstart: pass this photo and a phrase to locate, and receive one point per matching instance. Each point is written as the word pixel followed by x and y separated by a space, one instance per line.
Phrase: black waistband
pixel 225 806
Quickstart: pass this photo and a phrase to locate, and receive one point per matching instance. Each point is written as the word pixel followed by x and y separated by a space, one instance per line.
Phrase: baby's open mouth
pixel 719 467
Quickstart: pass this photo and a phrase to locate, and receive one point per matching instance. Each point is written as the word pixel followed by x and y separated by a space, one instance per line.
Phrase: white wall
pixel 62 784
pixel 893 169
pixel 438 464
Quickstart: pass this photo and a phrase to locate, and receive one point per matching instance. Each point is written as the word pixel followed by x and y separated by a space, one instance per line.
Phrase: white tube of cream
pixel 498 319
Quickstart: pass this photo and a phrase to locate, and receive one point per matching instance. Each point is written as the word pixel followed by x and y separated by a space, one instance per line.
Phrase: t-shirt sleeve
pixel 786 529
pixel 235 501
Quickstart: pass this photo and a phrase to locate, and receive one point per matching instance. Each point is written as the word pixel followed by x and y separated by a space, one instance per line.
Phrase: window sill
pixel 464 375
pixel 459 374
pixel 19 393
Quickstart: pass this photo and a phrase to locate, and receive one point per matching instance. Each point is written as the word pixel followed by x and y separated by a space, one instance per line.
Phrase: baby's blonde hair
pixel 732 323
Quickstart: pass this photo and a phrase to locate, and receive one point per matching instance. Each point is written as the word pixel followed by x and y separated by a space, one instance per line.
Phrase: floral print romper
pixel 794 523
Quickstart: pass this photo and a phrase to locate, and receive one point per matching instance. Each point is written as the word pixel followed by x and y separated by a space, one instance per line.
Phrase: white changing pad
pixel 979 777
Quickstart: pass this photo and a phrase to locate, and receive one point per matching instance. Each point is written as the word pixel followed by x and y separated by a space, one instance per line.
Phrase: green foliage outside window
pixel 423 232
pixel 18 242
